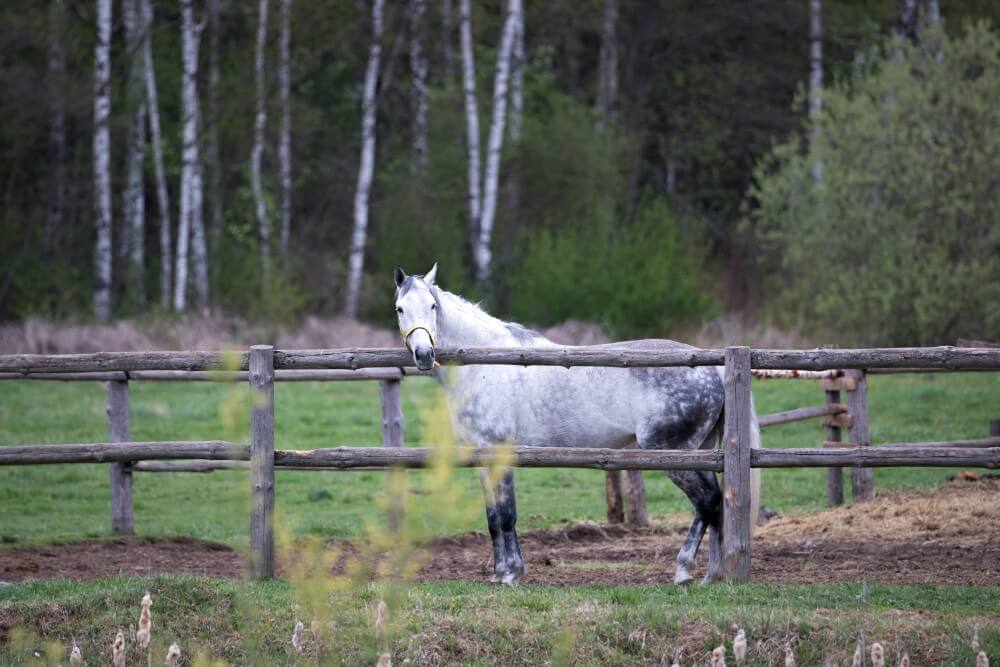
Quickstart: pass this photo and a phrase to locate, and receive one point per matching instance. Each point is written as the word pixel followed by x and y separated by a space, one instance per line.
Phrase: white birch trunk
pixel 446 32
pixel 214 160
pixel 366 167
pixel 199 243
pixel 102 162
pixel 57 126
pixel 134 194
pixel 162 198
pixel 517 80
pixel 190 168
pixel 418 84
pixel 260 124
pixel 607 75
pixel 285 142
pixel 471 123
pixel 484 254
pixel 816 82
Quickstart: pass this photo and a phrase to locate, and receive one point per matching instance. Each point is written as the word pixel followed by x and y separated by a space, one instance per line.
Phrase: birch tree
pixel 816 82
pixel 366 166
pixel 471 123
pixel 484 254
pixel 190 227
pixel 102 161
pixel 285 142
pixel 260 124
pixel 55 219
pixel 162 197
pixel 134 193
pixel 212 150
pixel 418 84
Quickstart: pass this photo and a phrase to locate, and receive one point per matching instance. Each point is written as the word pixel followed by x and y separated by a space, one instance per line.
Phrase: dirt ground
pixel 948 536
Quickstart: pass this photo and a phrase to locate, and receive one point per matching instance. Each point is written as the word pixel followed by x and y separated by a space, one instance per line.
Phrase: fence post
pixel 994 427
pixel 121 473
pixel 261 378
pixel 862 479
pixel 636 499
pixel 736 466
pixel 834 476
pixel 613 496
pixel 392 436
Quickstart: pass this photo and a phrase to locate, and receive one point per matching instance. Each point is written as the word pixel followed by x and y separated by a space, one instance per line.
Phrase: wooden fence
pixel 263 366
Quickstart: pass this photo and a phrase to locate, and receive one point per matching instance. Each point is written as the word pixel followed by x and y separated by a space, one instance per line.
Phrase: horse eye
pixel 434 306
pixel 399 310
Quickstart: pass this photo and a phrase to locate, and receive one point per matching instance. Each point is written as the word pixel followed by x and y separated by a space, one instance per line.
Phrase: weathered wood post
pixel 994 427
pixel 392 436
pixel 636 515
pixel 834 476
pixel 121 473
pixel 862 479
pixel 613 496
pixel 261 378
pixel 736 466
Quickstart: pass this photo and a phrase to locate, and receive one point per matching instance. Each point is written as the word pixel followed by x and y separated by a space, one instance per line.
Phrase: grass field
pixel 465 623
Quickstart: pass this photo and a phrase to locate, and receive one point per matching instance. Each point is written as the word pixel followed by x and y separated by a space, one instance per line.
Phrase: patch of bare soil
pixel 948 536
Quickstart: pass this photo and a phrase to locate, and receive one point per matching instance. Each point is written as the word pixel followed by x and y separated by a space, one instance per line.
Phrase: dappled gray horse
pixel 546 406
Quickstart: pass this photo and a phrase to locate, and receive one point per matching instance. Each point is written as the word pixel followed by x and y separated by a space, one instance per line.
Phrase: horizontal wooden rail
pixel 800 414
pixel 880 456
pixel 950 358
pixel 762 374
pixel 522 457
pixel 107 452
pixel 193 465
pixel 326 375
pixel 979 443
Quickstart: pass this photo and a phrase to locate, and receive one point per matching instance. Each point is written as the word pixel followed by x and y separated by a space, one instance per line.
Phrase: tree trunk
pixel 134 194
pixel 484 255
pixel 162 198
pixel 189 221
pixel 907 26
pixel 199 244
pixel 514 167
pixel 214 161
pixel 102 162
pixel 285 142
pixel 446 52
pixel 816 82
pixel 471 123
pixel 418 85
pixel 607 74
pixel 260 207
pixel 55 221
pixel 366 167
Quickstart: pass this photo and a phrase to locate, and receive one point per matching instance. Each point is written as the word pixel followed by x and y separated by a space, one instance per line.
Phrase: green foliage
pixel 901 244
pixel 637 279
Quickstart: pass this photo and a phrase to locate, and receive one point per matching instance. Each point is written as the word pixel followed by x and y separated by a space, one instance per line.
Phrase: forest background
pixel 828 167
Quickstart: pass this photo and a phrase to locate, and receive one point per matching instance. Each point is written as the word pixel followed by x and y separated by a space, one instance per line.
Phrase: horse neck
pixel 463 324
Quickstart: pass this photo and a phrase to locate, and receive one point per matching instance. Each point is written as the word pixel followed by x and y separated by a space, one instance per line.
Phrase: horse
pixel 548 406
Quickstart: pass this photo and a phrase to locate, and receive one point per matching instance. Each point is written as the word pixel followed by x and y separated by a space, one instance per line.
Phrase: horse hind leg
pixel 702 490
pixel 501 519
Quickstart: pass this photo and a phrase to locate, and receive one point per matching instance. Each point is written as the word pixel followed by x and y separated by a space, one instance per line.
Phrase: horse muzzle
pixel 423 357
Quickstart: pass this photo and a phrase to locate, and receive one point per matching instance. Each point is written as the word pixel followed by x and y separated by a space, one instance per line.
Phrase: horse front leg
pixel 501 519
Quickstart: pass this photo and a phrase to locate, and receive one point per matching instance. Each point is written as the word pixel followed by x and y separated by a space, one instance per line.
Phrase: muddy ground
pixel 948 536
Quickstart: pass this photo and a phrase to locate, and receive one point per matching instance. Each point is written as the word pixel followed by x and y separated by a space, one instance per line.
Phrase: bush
pixel 900 244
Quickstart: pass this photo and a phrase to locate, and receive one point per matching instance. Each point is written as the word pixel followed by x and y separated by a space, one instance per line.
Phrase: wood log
pixel 107 452
pixel 995 427
pixel 951 358
pixel 881 456
pixel 636 485
pixel 221 376
pixel 523 457
pixel 862 479
pixel 736 439
pixel 800 414
pixel 189 466
pixel 834 476
pixel 262 462
pixel 120 473
pixel 392 436
pixel 762 374
pixel 613 497
pixel 979 443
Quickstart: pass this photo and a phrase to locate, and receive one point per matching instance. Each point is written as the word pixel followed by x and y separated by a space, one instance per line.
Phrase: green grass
pixel 44 503
pixel 447 623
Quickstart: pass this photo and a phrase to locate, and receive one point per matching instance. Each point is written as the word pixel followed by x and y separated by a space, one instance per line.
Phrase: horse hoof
pixel 710 579
pixel 682 578
pixel 512 579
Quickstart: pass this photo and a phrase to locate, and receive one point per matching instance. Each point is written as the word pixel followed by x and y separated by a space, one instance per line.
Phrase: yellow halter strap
pixel 407 334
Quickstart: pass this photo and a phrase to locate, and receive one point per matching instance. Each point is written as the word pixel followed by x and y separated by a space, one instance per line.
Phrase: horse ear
pixel 431 276
pixel 399 275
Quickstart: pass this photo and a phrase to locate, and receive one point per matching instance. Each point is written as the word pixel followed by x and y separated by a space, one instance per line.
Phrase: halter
pixel 406 336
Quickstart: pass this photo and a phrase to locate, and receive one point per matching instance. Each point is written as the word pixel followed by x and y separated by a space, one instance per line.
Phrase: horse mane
pixel 448 301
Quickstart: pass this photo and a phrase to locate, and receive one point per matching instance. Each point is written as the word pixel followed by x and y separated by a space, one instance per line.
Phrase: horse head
pixel 416 312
